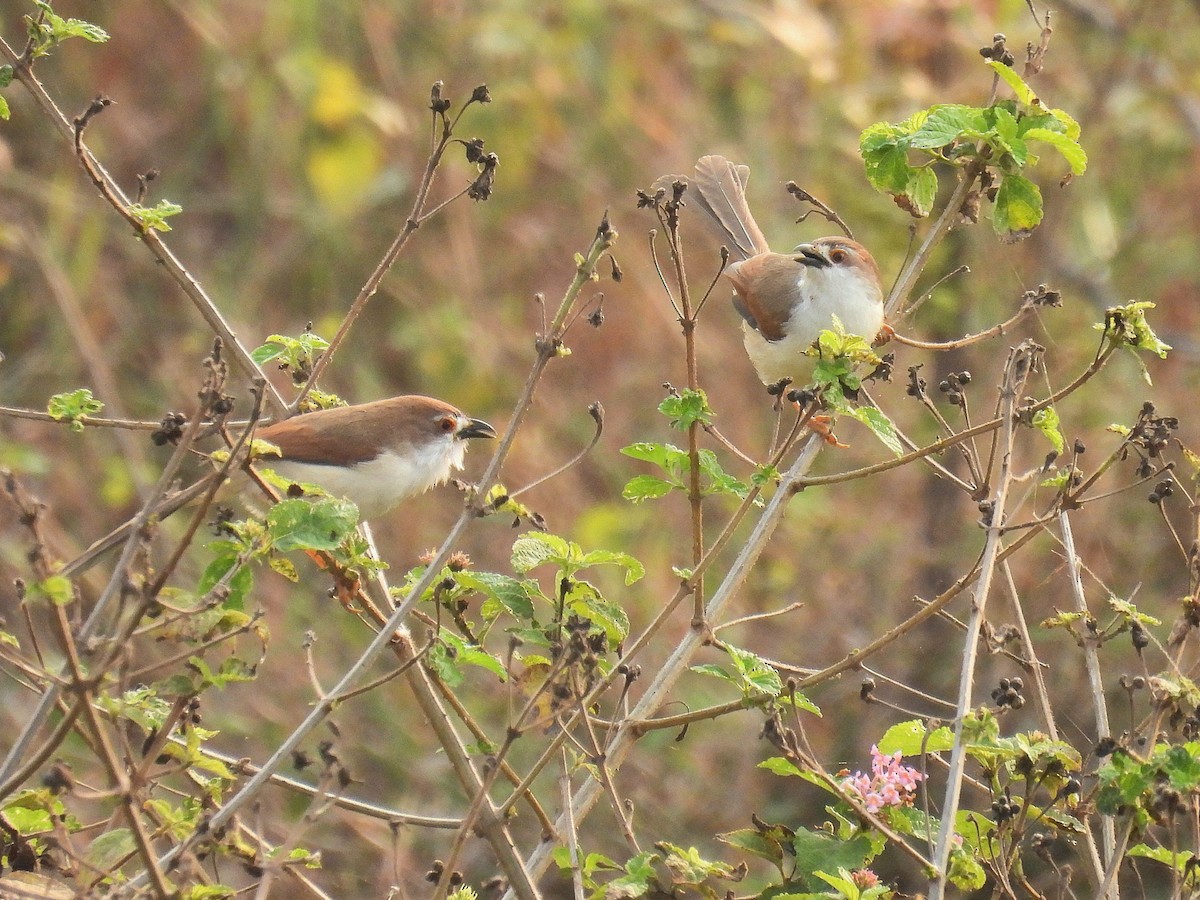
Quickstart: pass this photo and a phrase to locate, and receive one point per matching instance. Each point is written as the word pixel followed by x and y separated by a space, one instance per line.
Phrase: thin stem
pixel 1020 363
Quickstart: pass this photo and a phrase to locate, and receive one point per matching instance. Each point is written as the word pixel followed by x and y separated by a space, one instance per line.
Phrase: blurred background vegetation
pixel 293 132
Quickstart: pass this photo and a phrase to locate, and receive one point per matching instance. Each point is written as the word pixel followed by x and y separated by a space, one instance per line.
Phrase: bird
pixel 375 454
pixel 785 299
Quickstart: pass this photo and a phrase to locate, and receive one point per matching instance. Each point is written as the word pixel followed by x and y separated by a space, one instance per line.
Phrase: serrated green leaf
pixel 884 151
pixel 634 570
pixel 1018 207
pixel 1047 422
pixel 56 588
pixel 1069 148
pixel 238 584
pixel 285 567
pixel 799 701
pixel 1127 326
pixel 108 851
pixel 965 872
pixel 297 524
pixel 28 821
pixel 688 408
pixel 640 488
pixel 208 892
pixel 514 595
pixel 1179 861
pixel 945 124
pixel 818 851
pixel 881 426
pixel 154 218
pixel 73 406
pixel 921 190
pixel 780 766
pixel 1070 127
pixel 536 548
pixel 756 675
pixel 1023 92
pixel 910 739
pixel 754 842
pixel 714 670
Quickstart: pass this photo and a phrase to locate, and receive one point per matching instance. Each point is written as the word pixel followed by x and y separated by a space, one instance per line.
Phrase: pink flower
pixel 891 783
pixel 864 878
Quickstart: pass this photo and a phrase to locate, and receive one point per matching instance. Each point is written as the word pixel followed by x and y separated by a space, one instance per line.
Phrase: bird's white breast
pixel 845 293
pixel 378 485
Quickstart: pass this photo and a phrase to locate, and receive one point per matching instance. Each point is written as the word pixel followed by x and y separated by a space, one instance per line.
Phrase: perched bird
pixel 375 454
pixel 785 299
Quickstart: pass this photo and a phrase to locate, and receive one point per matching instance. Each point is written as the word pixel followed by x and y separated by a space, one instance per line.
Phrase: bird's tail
pixel 719 188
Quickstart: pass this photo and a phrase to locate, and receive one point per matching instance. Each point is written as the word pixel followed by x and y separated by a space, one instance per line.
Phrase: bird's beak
pixel 809 256
pixel 476 428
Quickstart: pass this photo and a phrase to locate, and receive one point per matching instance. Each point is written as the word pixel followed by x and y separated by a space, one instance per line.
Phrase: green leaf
pixel 799 701
pixel 910 739
pixel 965 872
pixel 5 113
pixel 881 426
pixel 295 353
pixel 296 524
pixel 208 892
pixel 1179 861
pixel 238 584
pixel 884 151
pixel 141 705
pixel 513 595
pixel 1023 92
pixel 586 602
pixel 1128 327
pixel 669 458
pixel 468 654
pixel 780 766
pixel 108 851
pixel 28 821
pixel 756 675
pixel 50 29
pixel 285 567
pixel 6 76
pixel 921 191
pixel 1131 613
pixel 1018 208
pixel 945 124
pixel 754 842
pixel 646 487
pixel 688 867
pixel 638 879
pixel 154 218
pixel 1182 769
pixel 1047 422
pixel 714 670
pixel 1069 148
pixel 56 588
pixel 634 570
pixel 690 407
pixel 536 548
pixel 73 406
pixel 817 851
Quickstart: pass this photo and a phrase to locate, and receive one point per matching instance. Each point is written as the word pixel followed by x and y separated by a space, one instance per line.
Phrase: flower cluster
pixel 889 784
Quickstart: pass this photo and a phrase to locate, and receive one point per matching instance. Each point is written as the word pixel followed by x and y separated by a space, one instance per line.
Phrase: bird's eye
pixel 838 255
pixel 447 424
